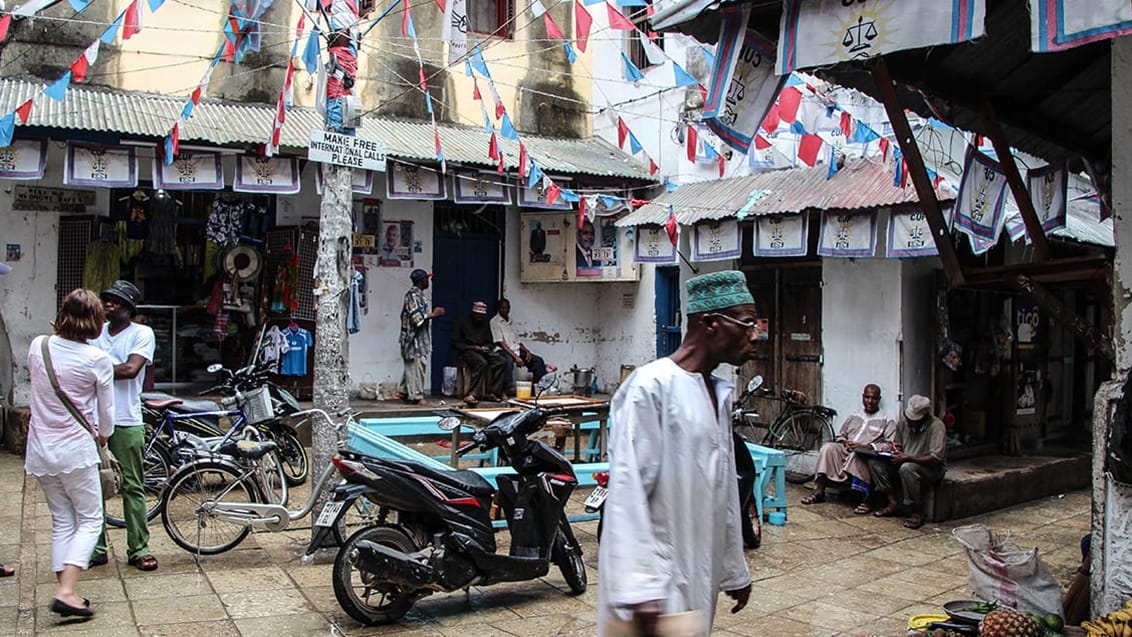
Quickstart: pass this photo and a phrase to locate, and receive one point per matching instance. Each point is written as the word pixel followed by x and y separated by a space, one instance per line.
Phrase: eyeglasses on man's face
pixel 750 326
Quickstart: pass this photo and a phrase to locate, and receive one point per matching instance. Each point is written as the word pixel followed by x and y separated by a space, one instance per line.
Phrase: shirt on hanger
pixel 299 341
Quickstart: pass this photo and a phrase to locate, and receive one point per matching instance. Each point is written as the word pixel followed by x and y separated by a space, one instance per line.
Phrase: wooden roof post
pixel 919 173
pixel 1017 187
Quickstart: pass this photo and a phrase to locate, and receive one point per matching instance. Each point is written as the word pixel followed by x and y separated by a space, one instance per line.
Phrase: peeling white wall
pixel 861 327
pixel 27 294
pixel 918 325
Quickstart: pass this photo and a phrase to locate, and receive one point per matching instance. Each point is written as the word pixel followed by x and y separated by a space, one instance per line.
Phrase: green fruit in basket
pixel 1054 622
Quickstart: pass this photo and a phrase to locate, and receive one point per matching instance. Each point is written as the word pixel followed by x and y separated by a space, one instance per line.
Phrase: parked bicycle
pixel 797 429
pixel 212 503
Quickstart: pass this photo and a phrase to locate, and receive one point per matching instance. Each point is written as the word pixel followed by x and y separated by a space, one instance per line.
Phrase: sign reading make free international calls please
pixel 346 150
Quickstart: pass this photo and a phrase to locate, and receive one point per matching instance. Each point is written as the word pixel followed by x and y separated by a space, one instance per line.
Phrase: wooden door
pixel 800 336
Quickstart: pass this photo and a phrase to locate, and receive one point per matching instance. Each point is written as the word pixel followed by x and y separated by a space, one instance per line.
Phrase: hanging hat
pixel 479 307
pixel 918 407
pixel 242 262
pixel 717 291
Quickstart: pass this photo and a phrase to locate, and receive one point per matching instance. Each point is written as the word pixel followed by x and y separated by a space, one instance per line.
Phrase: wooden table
pixel 576 409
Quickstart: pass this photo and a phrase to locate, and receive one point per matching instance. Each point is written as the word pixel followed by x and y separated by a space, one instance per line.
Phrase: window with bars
pixel 492 17
pixel 633 45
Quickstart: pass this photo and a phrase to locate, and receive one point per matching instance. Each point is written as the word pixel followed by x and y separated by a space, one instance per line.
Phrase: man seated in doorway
pixel 472 339
pixel 838 461
pixel 513 351
pixel 919 459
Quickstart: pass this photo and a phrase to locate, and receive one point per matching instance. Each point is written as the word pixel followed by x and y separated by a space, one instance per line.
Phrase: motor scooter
pixel 751 525
pixel 433 530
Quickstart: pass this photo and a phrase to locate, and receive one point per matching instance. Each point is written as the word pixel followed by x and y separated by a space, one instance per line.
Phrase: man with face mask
pixel 130 346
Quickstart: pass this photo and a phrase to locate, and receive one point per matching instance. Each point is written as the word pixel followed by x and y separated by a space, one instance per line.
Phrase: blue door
pixel 668 315
pixel 465 268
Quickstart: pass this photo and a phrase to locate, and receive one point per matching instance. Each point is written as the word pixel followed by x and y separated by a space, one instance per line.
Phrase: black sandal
pixel 813 498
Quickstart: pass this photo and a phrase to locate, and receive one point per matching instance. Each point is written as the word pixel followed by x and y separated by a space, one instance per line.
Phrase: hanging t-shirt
pixel 135 339
pixel 299 341
pixel 274 346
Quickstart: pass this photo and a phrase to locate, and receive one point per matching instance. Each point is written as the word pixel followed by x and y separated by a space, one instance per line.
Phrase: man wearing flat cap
pixel 416 338
pixel 919 460
pixel 672 538
pixel 131 347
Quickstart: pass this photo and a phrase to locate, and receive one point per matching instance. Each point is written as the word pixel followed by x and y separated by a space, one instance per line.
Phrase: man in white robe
pixel 671 540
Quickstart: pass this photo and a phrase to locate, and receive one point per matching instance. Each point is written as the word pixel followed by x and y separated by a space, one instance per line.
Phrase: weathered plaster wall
pixel 917 326
pixel 861 329
pixel 1112 504
pixel 27 294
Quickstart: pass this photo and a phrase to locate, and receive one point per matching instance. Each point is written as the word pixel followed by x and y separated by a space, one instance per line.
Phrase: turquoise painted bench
pixel 770 468
pixel 419 426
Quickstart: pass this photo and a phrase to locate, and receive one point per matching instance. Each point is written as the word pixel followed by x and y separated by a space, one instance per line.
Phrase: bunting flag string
pixel 286 94
pixel 173 139
pixel 409 30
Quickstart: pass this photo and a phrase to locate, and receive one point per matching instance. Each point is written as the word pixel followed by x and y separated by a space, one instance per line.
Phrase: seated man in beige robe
pixel 837 461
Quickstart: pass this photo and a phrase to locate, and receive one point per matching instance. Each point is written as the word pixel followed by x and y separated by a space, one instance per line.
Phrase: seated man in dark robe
pixel 472 339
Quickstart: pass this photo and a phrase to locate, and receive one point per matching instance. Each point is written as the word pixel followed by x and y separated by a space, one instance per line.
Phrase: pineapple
pixel 1008 623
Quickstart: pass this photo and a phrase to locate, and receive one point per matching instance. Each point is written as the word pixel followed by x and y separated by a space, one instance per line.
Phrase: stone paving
pixel 826 572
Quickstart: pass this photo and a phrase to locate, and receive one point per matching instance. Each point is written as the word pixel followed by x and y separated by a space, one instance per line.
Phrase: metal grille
pixel 75 234
pixel 305 243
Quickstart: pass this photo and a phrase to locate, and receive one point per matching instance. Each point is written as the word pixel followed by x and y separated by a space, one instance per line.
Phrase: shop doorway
pixel 668 315
pixel 790 354
pixel 465 267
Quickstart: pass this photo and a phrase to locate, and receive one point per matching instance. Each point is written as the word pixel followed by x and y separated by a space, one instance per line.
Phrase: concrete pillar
pixel 1112 503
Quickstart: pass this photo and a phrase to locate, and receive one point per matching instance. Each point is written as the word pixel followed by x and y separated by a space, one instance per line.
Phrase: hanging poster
pixel 848 234
pixel 23 159
pixel 743 83
pixel 276 175
pixel 909 235
pixel 474 187
pixel 654 246
pixel 716 240
pixel 362 180
pixel 823 32
pixel 981 246
pixel 544 242
pixel 190 170
pixel 98 165
pixel 1048 186
pixel 397 244
pixel 409 181
pixel 1016 228
pixel 1056 25
pixel 596 248
pixel 982 192
pixel 536 197
pixel 781 236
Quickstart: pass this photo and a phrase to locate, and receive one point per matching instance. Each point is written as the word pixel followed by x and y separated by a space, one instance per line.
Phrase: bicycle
pixel 797 429
pixel 168 448
pixel 214 502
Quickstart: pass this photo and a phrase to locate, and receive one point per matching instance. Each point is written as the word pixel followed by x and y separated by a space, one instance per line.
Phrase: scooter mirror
pixel 754 384
pixel 448 423
pixel 213 368
pixel 547 381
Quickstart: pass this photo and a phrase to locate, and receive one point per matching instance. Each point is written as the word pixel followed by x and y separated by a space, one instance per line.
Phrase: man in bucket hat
pixel 416 338
pixel 130 346
pixel 919 460
pixel 671 521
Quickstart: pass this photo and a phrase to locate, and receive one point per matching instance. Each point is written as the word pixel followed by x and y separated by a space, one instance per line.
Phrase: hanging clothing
pixel 102 266
pixel 253 225
pixel 162 237
pixel 299 341
pixel 137 218
pixel 224 222
pixel 672 514
pixel 274 346
pixel 130 247
pixel 353 309
pixel 285 293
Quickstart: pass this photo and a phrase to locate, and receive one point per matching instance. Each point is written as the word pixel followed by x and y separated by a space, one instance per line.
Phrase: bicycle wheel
pixel 186 508
pixel 293 457
pixel 804 432
pixel 155 475
pixel 273 479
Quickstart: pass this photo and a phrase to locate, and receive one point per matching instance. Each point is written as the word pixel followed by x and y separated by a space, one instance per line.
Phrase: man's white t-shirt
pixel 503 332
pixel 135 339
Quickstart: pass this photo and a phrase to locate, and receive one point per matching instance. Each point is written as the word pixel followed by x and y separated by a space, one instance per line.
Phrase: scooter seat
pixel 162 404
pixel 469 481
pixel 161 401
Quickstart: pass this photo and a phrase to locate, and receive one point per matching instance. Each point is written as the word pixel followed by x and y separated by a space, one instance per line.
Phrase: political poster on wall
pixel 653 245
pixel 276 175
pixel 24 159
pixel 781 236
pixel 596 248
pixel 408 181
pixel 190 170
pixel 979 204
pixel 822 32
pixel 396 244
pixel 717 240
pixel 474 187
pixel 848 234
pixel 100 165
pixel 909 235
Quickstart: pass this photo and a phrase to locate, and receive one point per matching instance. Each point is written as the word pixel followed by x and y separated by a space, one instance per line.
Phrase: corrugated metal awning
pixel 146 115
pixel 860 184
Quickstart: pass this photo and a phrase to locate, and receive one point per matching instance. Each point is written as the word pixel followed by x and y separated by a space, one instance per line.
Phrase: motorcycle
pixel 265 404
pixel 750 525
pixel 433 529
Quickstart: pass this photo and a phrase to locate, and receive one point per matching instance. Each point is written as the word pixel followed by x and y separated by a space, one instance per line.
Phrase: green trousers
pixel 127 444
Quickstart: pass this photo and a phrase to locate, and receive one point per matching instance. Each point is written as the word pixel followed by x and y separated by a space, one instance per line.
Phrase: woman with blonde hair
pixel 61 450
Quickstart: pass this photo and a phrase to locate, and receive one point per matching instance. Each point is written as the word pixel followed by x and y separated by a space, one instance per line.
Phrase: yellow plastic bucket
pixel 522 389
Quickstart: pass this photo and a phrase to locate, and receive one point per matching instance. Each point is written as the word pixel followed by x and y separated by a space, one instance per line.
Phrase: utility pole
pixel 335 243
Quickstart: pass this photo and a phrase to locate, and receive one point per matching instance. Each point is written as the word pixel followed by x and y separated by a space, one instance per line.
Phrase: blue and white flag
pixel 848 234
pixel 1048 186
pixel 981 199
